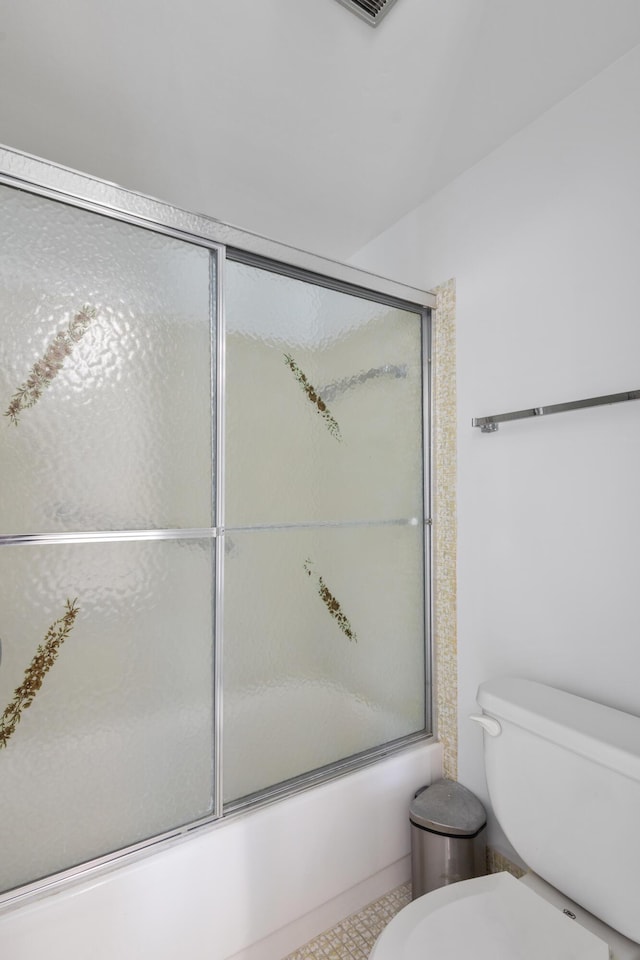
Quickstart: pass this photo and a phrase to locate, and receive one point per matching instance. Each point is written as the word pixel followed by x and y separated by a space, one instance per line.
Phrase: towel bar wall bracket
pixel 491 424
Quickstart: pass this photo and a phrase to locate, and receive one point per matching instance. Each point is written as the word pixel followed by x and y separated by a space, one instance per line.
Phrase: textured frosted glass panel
pixel 117 744
pixel 121 436
pixel 324 411
pixel 308 682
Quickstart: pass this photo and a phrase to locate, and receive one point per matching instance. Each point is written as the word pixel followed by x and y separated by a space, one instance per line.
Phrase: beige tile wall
pixel 445 526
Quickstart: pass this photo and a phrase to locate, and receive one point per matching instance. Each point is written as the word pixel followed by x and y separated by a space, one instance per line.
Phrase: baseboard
pixel 294 935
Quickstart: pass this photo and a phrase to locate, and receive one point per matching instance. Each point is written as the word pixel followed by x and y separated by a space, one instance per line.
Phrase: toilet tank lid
pixel 601 734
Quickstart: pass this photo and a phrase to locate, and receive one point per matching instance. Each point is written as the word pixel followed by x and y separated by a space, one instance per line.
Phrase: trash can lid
pixel 447 807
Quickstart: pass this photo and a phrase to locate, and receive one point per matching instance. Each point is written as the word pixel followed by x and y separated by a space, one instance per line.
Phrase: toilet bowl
pixel 563 775
pixel 497 917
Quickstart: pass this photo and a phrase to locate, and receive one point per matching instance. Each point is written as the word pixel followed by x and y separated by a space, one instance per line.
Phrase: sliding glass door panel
pixel 324 403
pixel 116 744
pixel 105 373
pixel 324 648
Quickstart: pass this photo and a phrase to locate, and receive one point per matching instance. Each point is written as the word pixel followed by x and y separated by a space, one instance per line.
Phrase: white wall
pixel 252 889
pixel 543 238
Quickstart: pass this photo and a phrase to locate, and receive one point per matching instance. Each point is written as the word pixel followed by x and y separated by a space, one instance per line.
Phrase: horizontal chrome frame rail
pixel 310 274
pixel 109 536
pixel 319 524
pixel 490 424
pixel 49 179
pixel 192 533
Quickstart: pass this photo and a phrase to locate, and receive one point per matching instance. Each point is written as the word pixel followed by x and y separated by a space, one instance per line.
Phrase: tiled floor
pixel 353 938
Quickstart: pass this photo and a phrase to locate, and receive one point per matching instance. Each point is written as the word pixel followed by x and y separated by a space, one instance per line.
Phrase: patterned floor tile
pixel 353 938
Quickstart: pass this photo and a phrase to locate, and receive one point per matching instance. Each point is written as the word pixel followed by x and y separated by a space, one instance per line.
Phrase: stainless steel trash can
pixel 447 836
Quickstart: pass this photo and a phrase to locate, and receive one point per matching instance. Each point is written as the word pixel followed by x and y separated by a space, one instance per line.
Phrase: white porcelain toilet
pixel 564 781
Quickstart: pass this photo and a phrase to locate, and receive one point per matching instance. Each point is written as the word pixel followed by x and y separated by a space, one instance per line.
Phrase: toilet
pixel 563 775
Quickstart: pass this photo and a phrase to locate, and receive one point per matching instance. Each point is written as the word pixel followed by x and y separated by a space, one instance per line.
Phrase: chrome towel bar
pixel 490 424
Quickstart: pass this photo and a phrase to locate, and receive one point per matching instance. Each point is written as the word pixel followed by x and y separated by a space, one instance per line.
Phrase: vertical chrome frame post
pixel 427 446
pixel 219 520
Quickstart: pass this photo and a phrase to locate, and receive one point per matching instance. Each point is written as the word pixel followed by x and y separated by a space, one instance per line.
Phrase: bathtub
pixel 252 888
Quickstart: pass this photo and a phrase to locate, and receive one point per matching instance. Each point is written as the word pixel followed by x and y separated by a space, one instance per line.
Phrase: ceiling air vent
pixel 370 10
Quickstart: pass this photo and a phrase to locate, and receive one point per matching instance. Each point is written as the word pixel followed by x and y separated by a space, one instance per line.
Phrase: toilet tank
pixel 564 780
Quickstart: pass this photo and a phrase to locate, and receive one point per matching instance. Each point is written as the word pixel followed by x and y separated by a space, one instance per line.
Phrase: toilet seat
pixel 487 918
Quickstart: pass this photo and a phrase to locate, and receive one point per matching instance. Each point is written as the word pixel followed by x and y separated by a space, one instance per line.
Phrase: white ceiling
pixel 292 118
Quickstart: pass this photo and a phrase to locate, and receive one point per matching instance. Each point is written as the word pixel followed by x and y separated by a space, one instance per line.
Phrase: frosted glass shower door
pixel 324 652
pixel 106 535
pixel 105 373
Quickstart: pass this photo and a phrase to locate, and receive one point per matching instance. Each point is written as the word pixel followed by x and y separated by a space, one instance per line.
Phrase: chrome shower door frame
pixel 55 182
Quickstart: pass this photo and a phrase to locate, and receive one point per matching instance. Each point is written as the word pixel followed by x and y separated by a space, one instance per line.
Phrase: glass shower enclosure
pixel 214 521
